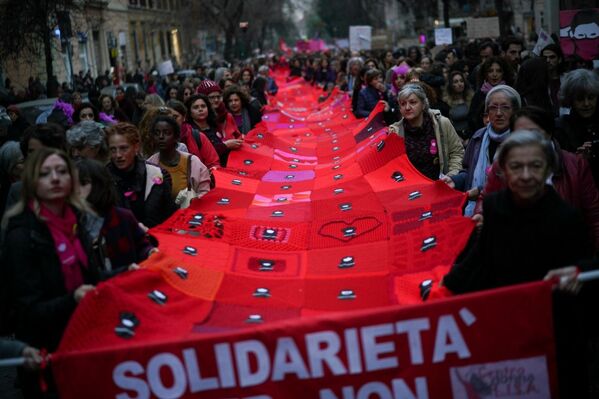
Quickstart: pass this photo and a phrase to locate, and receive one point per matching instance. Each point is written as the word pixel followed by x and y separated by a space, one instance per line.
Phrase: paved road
pixel 7 382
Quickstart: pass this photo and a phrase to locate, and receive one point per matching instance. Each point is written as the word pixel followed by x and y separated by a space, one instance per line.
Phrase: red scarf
pixel 68 246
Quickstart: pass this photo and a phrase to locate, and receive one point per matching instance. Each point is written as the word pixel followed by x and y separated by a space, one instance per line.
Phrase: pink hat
pixel 208 86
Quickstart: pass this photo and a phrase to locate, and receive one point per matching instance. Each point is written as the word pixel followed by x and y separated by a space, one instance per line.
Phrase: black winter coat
pixel 518 245
pixel 154 209
pixel 33 279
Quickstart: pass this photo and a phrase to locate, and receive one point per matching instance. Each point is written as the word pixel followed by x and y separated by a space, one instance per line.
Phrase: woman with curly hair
pixel 238 104
pixel 202 118
pixel 109 110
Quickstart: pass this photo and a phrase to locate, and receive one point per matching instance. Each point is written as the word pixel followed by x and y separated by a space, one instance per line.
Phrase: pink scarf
pixel 68 246
pixel 486 87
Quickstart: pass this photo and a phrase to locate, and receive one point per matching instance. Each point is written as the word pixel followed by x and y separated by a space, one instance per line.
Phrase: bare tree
pixel 27 28
pixel 266 18
pixel 225 14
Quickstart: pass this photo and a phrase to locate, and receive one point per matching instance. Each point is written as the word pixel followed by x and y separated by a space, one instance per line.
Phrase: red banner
pixel 287 280
pixel 493 344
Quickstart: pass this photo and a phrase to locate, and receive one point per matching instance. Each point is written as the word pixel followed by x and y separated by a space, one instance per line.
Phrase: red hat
pixel 208 86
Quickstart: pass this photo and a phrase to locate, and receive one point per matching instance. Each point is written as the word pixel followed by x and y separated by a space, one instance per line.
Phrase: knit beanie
pixel 208 86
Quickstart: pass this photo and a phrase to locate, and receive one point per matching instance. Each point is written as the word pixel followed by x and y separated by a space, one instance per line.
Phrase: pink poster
pixel 579 32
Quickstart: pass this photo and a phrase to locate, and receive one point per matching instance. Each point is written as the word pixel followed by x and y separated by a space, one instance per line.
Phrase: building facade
pixel 114 36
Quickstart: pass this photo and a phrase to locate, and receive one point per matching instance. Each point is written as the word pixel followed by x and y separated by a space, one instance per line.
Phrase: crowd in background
pixel 81 185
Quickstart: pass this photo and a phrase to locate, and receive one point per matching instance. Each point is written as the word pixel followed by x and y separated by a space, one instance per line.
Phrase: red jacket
pixel 574 183
pixel 206 153
pixel 229 128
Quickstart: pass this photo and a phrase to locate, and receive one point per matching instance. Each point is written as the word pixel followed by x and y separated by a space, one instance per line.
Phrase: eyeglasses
pixel 493 109
pixel 164 111
pixel 215 97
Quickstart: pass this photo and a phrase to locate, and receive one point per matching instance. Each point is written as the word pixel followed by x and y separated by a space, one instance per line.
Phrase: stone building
pixel 113 35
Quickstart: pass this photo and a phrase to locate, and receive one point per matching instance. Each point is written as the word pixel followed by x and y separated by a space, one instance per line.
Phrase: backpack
pixel 196 136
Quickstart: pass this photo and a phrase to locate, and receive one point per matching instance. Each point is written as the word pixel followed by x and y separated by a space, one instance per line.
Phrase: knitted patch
pixel 333 294
pixel 349 261
pixel 255 291
pixel 340 231
pixel 225 317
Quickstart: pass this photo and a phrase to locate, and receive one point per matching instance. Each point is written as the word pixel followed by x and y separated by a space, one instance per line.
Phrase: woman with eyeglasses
pixel 501 102
pixel 186 170
pixel 493 72
pixel 572 179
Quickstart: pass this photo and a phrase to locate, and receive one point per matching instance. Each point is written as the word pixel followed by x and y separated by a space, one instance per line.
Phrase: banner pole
pixel 12 362
pixel 588 276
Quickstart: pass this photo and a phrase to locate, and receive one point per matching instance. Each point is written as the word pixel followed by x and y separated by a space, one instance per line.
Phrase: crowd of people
pixel 79 188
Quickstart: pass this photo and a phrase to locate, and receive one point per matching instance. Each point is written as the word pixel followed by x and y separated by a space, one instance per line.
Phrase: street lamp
pixel 244 28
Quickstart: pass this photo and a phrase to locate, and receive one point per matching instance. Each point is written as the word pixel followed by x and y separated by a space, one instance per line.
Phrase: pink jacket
pixel 199 172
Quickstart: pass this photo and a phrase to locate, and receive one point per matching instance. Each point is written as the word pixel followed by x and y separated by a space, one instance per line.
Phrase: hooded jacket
pixel 451 149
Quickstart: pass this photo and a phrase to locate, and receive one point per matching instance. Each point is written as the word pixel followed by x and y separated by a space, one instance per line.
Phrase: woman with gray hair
pixel 531 234
pixel 500 104
pixel 353 71
pixel 578 132
pixel 432 144
pixel 87 140
pixel 543 233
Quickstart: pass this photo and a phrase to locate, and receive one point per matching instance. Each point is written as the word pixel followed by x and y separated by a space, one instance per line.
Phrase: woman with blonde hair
pixel 48 259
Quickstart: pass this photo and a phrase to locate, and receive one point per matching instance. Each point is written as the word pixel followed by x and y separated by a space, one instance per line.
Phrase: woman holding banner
pixel 529 234
pixel 432 144
pixel 48 261
pixel 529 218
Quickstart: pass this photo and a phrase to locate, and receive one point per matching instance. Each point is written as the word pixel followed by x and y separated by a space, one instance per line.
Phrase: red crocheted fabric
pixel 317 212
